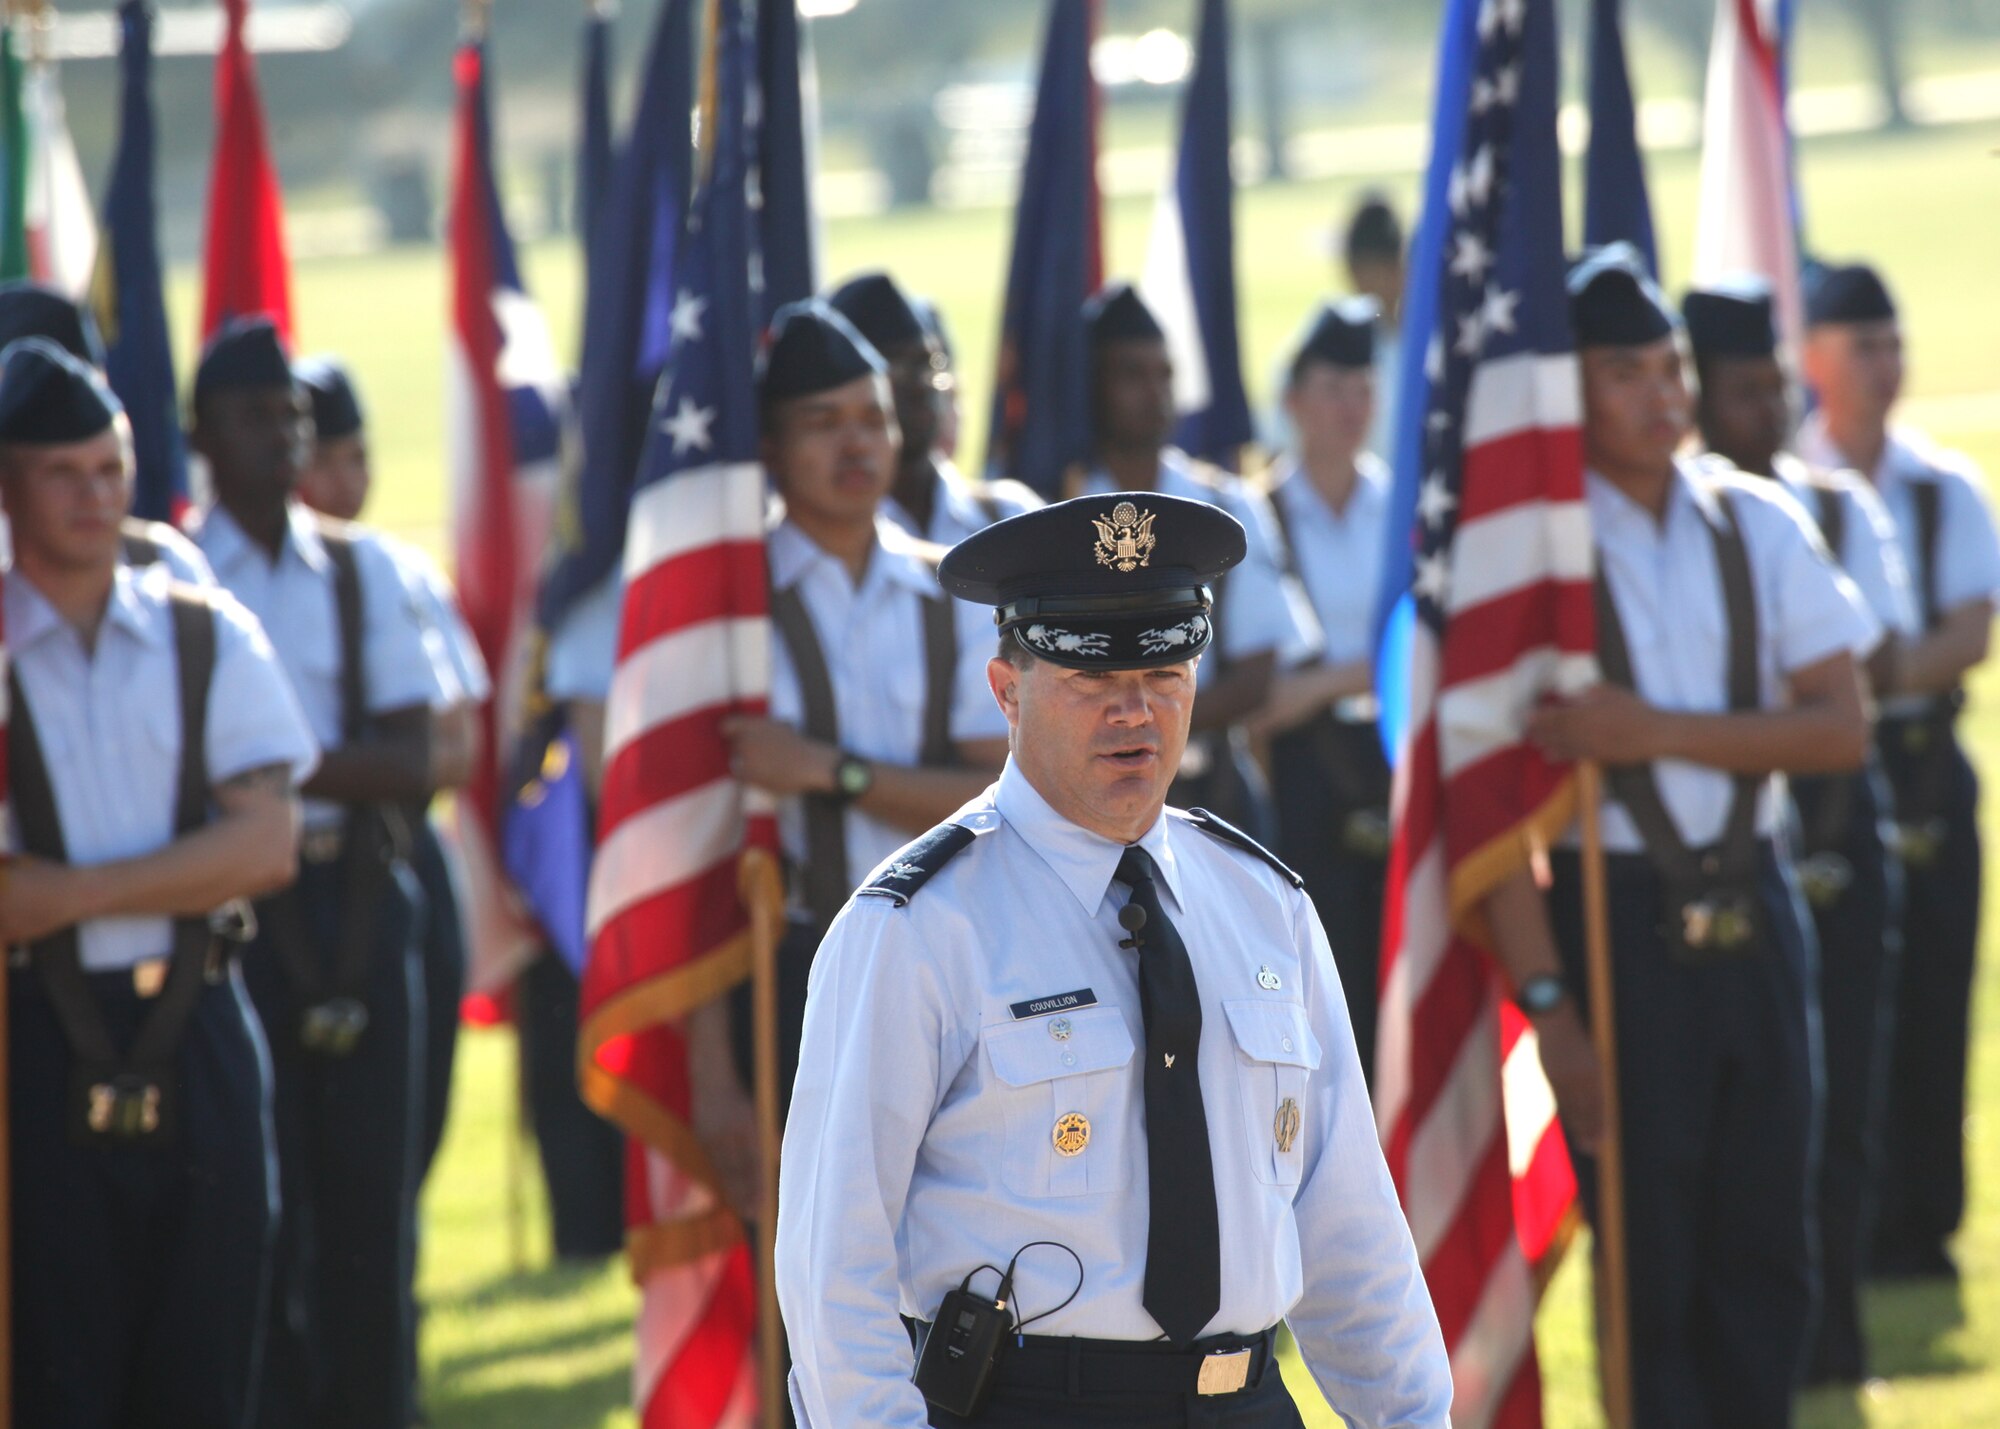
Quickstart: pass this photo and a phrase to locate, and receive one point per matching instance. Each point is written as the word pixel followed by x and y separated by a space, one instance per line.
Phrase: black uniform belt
pixel 1223 1364
pixel 142 981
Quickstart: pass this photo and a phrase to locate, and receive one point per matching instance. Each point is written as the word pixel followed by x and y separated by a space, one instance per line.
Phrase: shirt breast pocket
pixel 1276 1056
pixel 1064 1099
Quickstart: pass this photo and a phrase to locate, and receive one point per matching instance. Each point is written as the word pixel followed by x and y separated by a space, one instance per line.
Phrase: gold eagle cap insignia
pixel 1126 541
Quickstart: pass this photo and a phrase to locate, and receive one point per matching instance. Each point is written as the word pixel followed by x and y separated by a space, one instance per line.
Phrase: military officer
pixel 1266 623
pixel 1089 1054
pixel 930 499
pixel 1331 790
pixel 1854 361
pixel 29 309
pixel 153 750
pixel 1745 416
pixel 879 723
pixel 1728 643
pixel 338 980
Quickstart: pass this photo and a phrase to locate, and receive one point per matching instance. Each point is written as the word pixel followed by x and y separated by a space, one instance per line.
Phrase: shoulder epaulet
pixel 917 863
pixel 1220 828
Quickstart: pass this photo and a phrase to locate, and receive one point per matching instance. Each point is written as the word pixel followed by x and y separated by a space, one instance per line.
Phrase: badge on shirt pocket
pixel 1062 1093
pixel 1276 1056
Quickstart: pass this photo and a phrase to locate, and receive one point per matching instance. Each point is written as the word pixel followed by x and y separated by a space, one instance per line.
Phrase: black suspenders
pixel 1712 904
pixel 128 1097
pixel 826 880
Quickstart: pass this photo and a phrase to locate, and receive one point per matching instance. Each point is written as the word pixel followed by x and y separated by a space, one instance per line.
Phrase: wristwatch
pixel 853 776
pixel 1541 993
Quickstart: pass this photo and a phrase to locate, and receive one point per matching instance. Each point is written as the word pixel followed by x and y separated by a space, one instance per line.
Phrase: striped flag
pixel 245 270
pixel 1190 277
pixel 1747 219
pixel 129 290
pixel 667 929
pixel 1500 589
pixel 503 393
pixel 58 229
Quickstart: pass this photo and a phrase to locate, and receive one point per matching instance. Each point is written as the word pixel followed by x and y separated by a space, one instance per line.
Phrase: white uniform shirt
pixel 960 507
pixel 872 638
pixel 293 598
pixel 1260 607
pixel 1869 552
pixel 1338 555
pixel 1668 590
pixel 453 648
pixel 109 723
pixel 919 1140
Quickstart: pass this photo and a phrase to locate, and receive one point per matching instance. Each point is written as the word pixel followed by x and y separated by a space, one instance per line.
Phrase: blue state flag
pixel 1041 415
pixel 1191 268
pixel 786 233
pixel 127 290
pixel 593 149
pixel 1615 206
pixel 628 303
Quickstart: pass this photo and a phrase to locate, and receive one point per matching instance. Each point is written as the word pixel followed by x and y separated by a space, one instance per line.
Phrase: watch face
pixel 854 777
pixel 1542 994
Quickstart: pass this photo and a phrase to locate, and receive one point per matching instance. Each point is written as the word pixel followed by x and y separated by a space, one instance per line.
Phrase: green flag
pixel 14 155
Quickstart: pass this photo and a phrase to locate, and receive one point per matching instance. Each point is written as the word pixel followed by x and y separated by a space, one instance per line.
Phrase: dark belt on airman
pixel 1918 751
pixel 1711 907
pixel 123 1097
pixel 1223 1364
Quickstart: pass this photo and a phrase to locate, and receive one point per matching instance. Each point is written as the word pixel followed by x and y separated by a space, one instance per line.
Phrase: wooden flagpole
pixel 1614 1305
pixel 763 893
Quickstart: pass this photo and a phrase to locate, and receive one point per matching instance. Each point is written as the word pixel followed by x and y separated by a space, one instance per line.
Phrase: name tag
pixel 1058 1002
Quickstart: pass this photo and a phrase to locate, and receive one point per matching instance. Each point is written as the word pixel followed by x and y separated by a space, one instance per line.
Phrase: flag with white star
pixel 667 929
pixel 1495 580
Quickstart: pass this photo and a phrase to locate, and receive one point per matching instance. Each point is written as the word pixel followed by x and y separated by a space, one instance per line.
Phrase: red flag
pixel 245 269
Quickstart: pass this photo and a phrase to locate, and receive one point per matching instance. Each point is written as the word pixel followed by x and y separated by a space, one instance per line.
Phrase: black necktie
pixel 1183 1245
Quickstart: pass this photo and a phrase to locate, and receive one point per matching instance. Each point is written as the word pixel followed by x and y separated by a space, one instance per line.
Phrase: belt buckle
pixel 1224 1372
pixel 149 977
pixel 320 845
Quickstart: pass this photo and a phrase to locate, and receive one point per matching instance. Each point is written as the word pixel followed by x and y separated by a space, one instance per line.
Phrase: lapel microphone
pixel 1132 918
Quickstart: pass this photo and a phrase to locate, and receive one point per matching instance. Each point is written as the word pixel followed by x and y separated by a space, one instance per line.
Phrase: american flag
pixel 667 930
pixel 1500 584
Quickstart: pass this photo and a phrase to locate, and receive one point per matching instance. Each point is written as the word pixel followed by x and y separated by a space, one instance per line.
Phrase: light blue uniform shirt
pixel 1869 552
pixel 109 723
pixel 872 638
pixel 919 1143
pixel 454 650
pixel 1260 607
pixel 1338 555
pixel 583 647
pixel 960 507
pixel 293 598
pixel 180 555
pixel 1668 590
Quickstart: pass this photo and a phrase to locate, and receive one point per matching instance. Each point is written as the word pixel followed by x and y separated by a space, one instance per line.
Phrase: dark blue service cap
pixel 1340 334
pixel 1732 317
pixel 1614 302
pixel 246 353
pixel 810 349
pixel 880 311
pixel 1848 293
pixel 1116 313
pixel 1115 582
pixel 49 398
pixel 336 405
pixel 29 309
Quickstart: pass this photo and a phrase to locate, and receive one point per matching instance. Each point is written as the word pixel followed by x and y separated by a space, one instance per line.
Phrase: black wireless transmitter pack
pixel 955 1365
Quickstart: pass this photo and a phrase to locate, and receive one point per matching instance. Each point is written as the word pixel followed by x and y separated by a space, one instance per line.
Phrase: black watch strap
pixel 853 776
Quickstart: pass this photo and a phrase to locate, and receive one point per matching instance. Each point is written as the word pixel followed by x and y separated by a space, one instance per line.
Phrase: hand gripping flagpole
pixel 762 890
pixel 1614 1305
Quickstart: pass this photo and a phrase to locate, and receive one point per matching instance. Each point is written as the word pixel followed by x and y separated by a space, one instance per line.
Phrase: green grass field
pixel 511 1341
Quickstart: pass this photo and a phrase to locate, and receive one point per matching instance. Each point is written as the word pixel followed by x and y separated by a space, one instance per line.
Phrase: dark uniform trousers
pixel 1859 942
pixel 582 1155
pixel 1717 1094
pixel 1923 1184
pixel 140 1275
pixel 1327 775
pixel 349 1134
pixel 444 981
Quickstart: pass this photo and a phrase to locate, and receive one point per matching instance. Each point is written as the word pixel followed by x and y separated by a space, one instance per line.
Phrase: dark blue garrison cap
pixel 246 353
pixel 1614 302
pixel 336 405
pixel 49 398
pixel 1340 334
pixel 810 349
pixel 1116 313
pixel 1116 582
pixel 30 309
pixel 880 311
pixel 1849 293
pixel 1731 318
